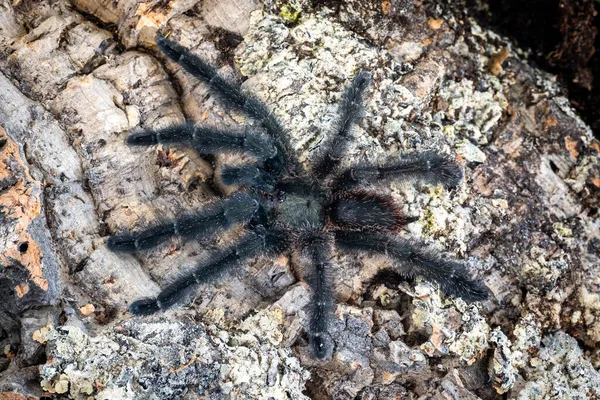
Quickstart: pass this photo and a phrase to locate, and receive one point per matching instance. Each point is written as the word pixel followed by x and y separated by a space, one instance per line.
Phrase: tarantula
pixel 286 208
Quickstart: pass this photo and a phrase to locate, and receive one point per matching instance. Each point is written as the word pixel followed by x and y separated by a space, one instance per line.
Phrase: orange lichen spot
pixel 152 14
pixel 386 7
pixel 87 309
pixel 437 337
pixel 595 181
pixel 8 352
pixel 495 63
pixel 41 335
pixel 595 145
pixel 571 145
pixel 22 289
pixel 427 42
pixel 435 24
pixel 18 200
pixel 551 121
pixel 21 204
pixel 29 254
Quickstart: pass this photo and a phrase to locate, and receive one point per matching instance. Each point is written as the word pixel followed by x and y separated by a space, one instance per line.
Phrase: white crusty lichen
pixel 157 359
pixel 453 326
pixel 502 368
pixel 560 372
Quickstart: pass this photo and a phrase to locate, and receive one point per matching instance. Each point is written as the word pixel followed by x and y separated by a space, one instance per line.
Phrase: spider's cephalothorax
pixel 286 209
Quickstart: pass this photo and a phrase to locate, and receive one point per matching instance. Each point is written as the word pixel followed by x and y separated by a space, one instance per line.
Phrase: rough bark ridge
pixel 76 77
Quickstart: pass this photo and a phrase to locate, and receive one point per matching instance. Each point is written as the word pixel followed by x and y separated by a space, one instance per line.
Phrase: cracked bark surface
pixel 76 77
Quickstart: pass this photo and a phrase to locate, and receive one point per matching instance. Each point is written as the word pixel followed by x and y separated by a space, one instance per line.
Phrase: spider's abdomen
pixel 363 210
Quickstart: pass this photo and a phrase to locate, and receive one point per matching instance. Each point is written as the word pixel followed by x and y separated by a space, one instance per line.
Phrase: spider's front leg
pixel 213 218
pixel 351 111
pixel 453 277
pixel 429 167
pixel 231 95
pixel 207 140
pixel 255 242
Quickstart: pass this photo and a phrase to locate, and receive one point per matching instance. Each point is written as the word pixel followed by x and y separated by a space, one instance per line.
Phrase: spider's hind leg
pixel 316 253
pixel 253 243
pixel 453 278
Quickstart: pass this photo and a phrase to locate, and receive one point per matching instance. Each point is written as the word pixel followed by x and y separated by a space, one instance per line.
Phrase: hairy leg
pixel 251 244
pixel 453 278
pixel 207 140
pixel 231 95
pixel 248 175
pixel 216 217
pixel 428 167
pixel 351 110
pixel 316 252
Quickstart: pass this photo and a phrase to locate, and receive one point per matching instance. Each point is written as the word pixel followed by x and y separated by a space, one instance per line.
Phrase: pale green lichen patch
pixel 161 359
pixel 560 372
pixel 474 112
pixel 452 325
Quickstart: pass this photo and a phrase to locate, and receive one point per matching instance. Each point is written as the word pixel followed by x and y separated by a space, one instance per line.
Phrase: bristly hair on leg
pixel 315 253
pixel 351 111
pixel 231 95
pixel 452 276
pixel 428 167
pixel 214 218
pixel 207 140
pixel 215 264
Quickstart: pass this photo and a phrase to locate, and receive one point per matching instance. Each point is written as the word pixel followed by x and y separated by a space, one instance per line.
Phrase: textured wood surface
pixel 77 77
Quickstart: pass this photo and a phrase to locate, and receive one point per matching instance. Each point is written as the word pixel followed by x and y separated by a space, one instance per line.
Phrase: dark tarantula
pixel 286 208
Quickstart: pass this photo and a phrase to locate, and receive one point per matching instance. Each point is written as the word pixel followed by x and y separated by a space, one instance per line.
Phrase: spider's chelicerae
pixel 285 208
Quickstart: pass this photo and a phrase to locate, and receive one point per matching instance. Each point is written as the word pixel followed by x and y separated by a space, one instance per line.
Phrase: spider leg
pixel 316 253
pixel 256 242
pixel 364 210
pixel 429 167
pixel 248 175
pixel 231 95
pixel 216 217
pixel 417 259
pixel 351 111
pixel 207 140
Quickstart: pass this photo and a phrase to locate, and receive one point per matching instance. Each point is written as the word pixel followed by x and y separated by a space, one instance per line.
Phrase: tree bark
pixel 77 77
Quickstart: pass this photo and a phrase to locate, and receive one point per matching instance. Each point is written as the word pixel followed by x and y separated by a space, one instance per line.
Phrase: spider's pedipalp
pixel 231 95
pixel 364 210
pixel 214 218
pixel 207 140
pixel 316 253
pixel 429 167
pixel 351 111
pixel 417 259
pixel 251 244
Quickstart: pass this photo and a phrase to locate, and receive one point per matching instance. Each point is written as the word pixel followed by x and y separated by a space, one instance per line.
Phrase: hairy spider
pixel 284 208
